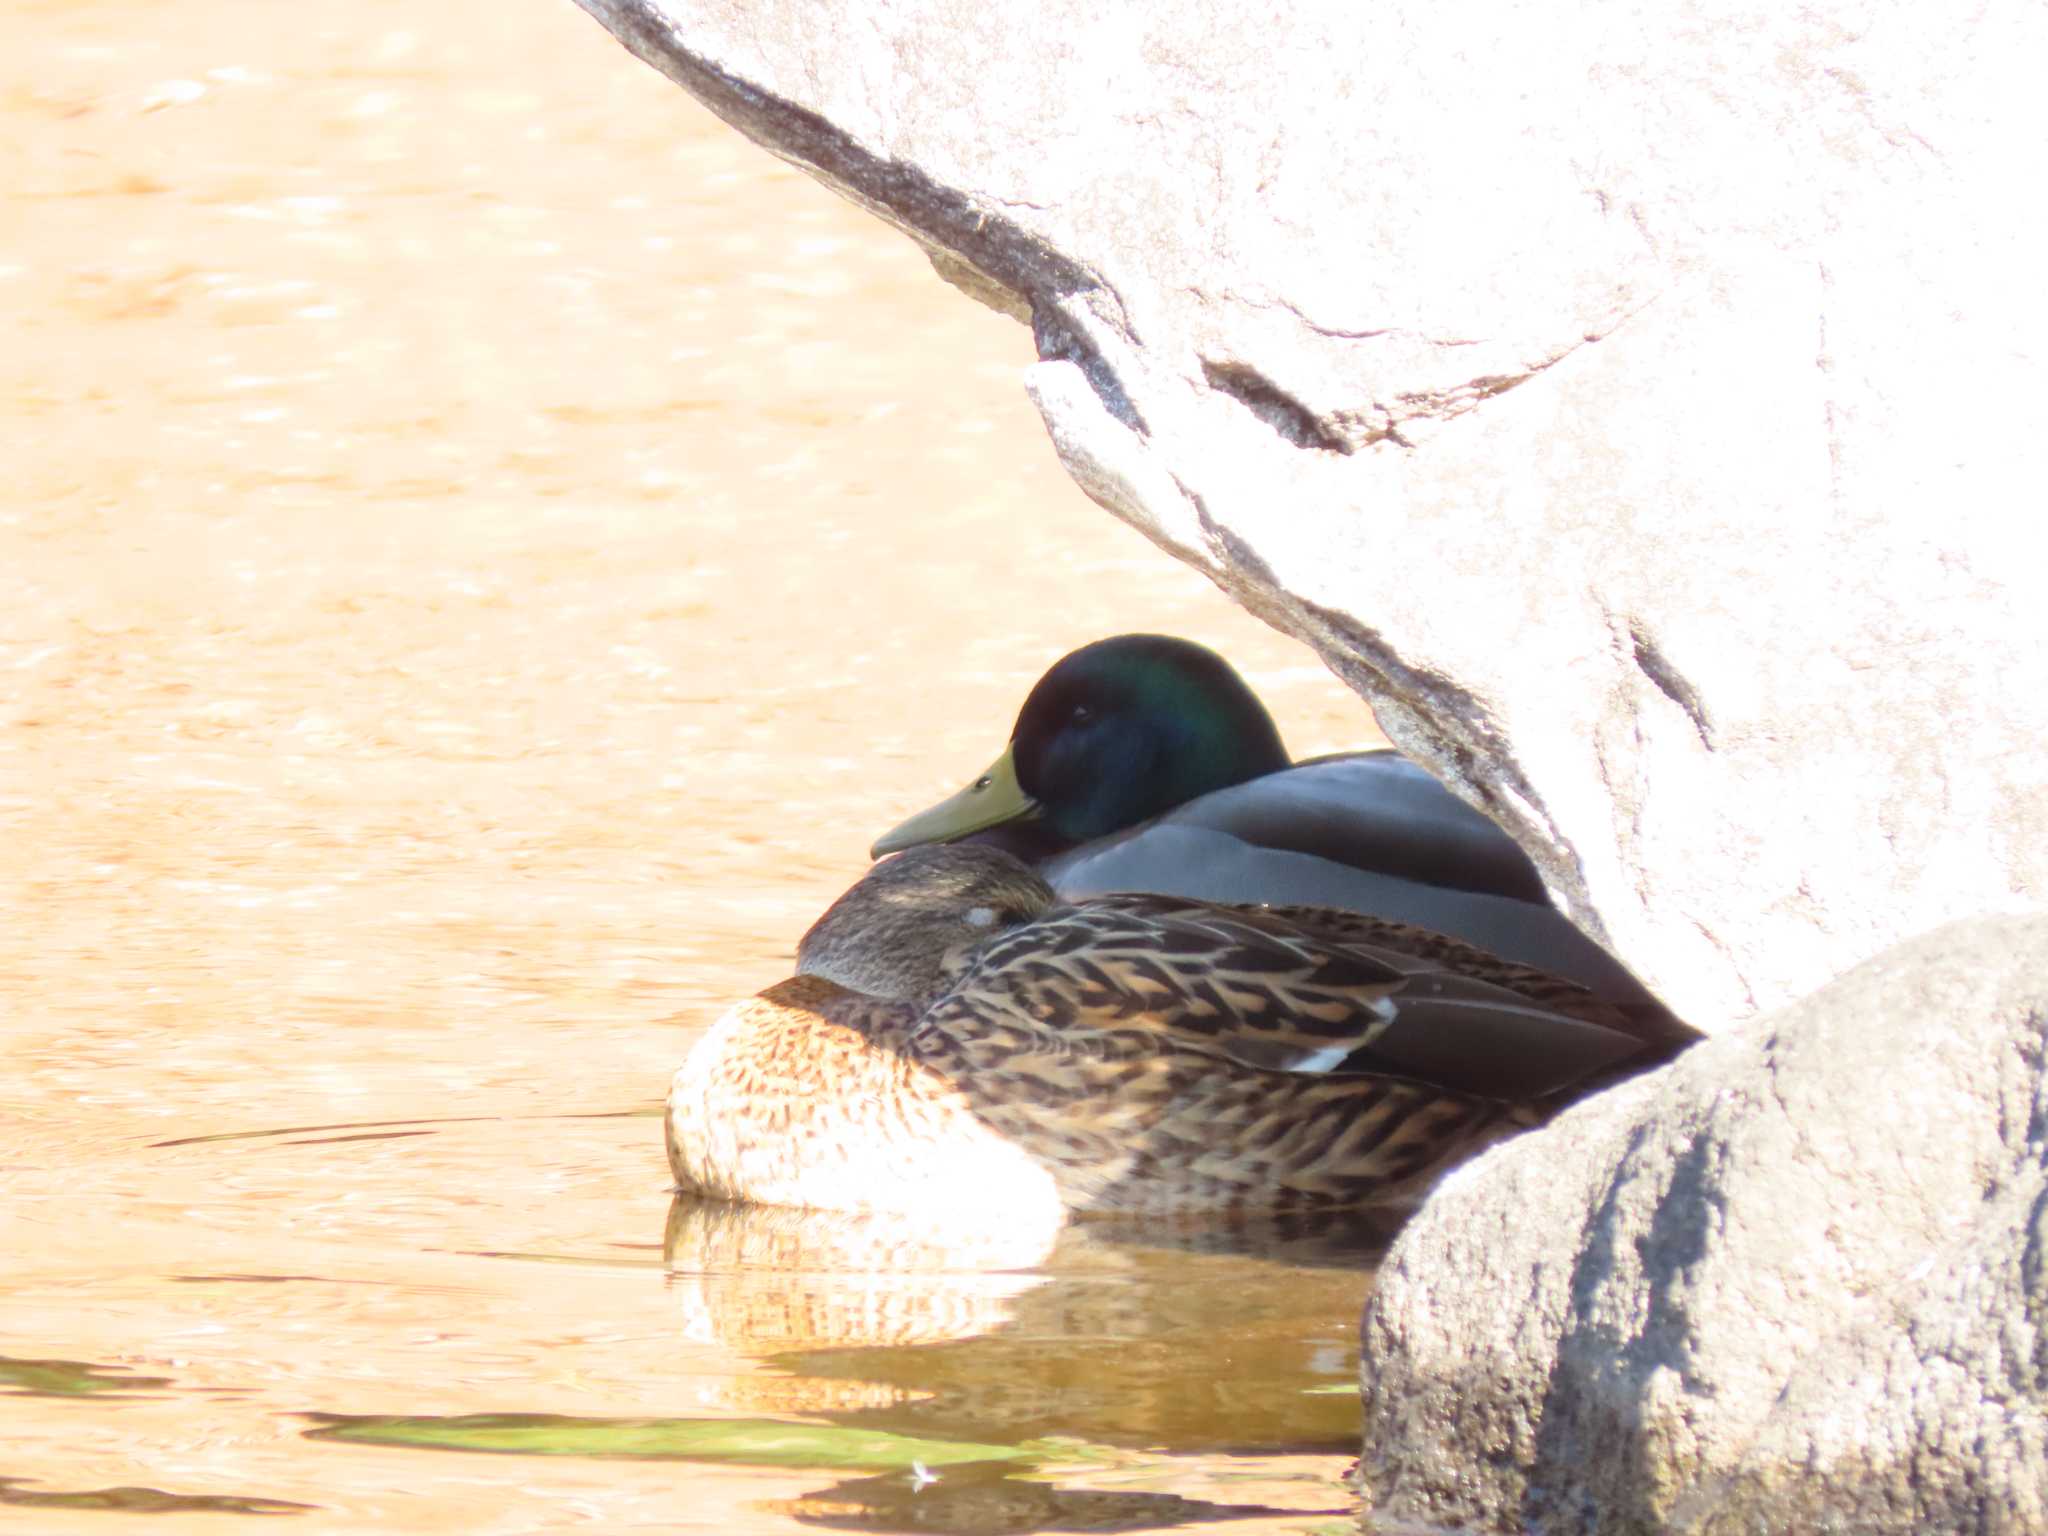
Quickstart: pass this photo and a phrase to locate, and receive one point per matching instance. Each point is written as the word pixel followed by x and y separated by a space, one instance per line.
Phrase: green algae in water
pixel 745 1442
pixel 142 1501
pixel 70 1378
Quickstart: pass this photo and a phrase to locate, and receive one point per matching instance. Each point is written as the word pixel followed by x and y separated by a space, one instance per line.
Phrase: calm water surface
pixel 483 550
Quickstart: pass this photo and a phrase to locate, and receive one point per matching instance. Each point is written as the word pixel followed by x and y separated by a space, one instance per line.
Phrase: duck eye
pixel 1082 714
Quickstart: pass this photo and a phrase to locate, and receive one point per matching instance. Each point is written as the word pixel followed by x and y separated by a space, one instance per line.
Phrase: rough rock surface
pixel 1796 1281
pixel 1638 406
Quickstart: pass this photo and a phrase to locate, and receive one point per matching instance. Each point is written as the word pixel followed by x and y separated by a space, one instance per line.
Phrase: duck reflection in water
pixel 1204 1334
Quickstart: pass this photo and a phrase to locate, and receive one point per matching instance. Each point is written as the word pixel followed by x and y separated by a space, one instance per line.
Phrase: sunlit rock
pixel 1724 1298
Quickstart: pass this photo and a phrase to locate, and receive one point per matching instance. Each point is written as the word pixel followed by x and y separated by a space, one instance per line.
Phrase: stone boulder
pixel 1796 1281
pixel 1639 407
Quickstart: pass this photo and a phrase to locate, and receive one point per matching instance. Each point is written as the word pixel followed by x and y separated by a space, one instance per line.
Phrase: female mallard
pixel 957 1039
pixel 1145 763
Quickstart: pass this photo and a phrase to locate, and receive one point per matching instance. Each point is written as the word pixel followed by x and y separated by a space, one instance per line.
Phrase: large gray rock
pixel 1640 407
pixel 1797 1281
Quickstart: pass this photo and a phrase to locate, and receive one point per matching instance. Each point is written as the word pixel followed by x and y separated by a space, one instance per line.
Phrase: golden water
pixel 482 550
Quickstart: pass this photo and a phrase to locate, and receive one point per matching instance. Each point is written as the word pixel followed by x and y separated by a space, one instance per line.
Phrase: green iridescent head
pixel 1116 733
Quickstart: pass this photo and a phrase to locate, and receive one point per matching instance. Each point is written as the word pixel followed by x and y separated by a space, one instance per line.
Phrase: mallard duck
pixel 957 1039
pixel 1145 763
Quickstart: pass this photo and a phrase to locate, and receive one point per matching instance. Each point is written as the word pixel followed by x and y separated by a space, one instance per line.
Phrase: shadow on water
pixel 994 1381
pixel 984 1500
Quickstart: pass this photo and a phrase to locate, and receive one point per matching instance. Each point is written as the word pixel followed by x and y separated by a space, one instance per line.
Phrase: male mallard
pixel 1145 763
pixel 956 1039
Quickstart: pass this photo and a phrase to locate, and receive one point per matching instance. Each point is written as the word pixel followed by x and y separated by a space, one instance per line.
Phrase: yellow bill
pixel 989 801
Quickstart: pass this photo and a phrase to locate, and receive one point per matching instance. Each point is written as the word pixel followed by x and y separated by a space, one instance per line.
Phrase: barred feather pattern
pixel 1403 948
pixel 1131 1053
pixel 1086 1066
pixel 805 1095
pixel 1109 1039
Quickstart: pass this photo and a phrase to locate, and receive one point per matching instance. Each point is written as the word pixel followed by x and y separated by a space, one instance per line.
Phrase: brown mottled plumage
pixel 1128 1053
